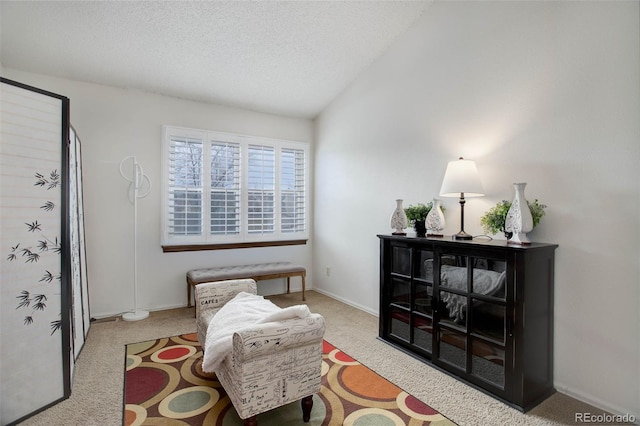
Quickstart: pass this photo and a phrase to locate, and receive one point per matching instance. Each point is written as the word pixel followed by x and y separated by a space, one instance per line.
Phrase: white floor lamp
pixel 137 180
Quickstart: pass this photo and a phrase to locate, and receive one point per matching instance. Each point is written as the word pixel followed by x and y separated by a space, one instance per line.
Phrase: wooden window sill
pixel 226 246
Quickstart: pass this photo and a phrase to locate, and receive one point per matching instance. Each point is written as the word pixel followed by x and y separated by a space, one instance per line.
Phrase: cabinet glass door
pixel 487 318
pixel 472 318
pixel 399 294
pixel 451 313
pixel 401 260
pixel 422 303
pixel 410 297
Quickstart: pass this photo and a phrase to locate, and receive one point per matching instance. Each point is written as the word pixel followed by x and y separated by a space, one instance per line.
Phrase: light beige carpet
pixel 96 397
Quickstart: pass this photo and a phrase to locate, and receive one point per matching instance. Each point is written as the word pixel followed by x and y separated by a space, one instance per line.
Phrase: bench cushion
pixel 242 271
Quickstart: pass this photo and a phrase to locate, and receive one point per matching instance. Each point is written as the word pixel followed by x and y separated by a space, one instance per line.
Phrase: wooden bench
pixel 260 271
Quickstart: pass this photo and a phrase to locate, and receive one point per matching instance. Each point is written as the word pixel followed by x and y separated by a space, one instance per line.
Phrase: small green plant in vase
pixel 417 215
pixel 493 220
pixel 418 212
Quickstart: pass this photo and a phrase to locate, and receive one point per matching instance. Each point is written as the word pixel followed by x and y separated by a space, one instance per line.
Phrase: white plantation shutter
pixel 225 188
pixel 185 186
pixel 261 189
pixel 292 190
pixel 222 188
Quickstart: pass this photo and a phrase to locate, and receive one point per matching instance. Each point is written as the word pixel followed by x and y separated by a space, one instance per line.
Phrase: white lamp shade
pixel 461 177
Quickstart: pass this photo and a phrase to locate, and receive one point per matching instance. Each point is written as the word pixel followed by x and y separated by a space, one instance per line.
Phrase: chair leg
pixel 307 405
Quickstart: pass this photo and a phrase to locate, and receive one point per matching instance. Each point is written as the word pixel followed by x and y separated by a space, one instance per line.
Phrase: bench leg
pixel 303 287
pixel 288 285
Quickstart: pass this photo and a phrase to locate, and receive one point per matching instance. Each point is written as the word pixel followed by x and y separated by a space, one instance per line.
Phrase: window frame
pixel 205 240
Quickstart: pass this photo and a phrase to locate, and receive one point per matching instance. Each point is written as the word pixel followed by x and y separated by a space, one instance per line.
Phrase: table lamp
pixel 461 179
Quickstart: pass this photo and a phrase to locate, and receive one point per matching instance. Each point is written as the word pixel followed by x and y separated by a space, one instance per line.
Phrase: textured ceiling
pixel 290 58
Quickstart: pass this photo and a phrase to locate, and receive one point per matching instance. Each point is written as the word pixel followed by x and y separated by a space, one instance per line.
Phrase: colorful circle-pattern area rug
pixel 165 385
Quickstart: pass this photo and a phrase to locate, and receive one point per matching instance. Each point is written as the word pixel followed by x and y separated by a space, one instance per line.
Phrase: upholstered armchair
pixel 271 364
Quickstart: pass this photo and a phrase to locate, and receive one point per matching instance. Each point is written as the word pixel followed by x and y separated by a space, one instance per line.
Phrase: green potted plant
pixel 416 216
pixel 493 220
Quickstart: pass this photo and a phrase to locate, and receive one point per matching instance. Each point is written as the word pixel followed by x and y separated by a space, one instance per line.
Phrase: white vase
pixel 435 219
pixel 398 219
pixel 519 219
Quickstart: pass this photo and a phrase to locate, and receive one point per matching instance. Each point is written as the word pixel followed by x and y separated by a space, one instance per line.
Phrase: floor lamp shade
pixel 461 179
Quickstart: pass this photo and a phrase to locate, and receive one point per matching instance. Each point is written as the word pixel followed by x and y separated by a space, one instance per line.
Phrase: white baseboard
pixel 272 288
pixel 103 315
pixel 596 402
pixel 348 302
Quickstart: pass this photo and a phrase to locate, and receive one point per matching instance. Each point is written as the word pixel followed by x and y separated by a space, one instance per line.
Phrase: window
pixel 222 188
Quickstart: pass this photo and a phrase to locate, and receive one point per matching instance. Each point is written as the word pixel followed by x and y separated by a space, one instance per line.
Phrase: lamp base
pixel 135 316
pixel 462 236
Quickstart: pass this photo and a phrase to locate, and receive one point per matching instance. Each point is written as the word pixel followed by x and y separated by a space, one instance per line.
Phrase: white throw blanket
pixel 243 311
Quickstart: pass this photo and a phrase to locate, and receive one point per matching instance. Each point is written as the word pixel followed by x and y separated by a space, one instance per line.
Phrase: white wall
pixel 539 92
pixel 114 123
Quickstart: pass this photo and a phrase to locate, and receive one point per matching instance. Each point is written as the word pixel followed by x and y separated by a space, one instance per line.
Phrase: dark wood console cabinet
pixel 481 311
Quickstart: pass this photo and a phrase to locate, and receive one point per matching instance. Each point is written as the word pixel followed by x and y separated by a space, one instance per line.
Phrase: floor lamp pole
pixel 137 180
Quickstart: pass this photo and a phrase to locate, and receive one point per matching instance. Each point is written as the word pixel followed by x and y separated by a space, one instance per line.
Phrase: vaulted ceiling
pixel 283 57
